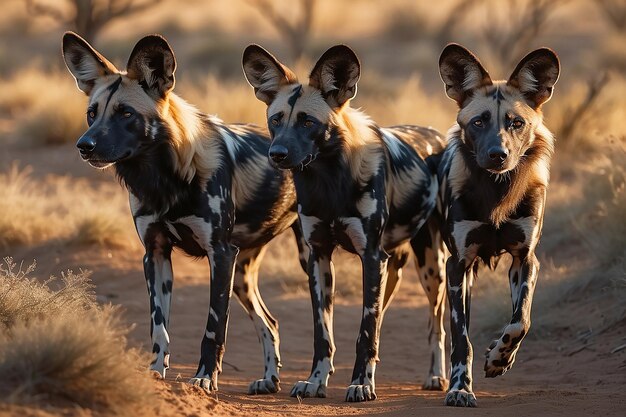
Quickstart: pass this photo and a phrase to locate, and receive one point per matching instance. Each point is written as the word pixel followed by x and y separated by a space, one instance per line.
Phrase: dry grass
pixel 46 107
pixel 61 209
pixel 232 101
pixel 60 346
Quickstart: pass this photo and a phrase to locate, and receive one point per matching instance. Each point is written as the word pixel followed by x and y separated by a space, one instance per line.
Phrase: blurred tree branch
pixel 88 17
pixel 455 17
pixel 576 115
pixel 615 12
pixel 526 20
pixel 296 33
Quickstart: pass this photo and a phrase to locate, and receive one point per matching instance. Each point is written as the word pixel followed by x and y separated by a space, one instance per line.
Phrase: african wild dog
pixel 195 183
pixel 493 179
pixel 365 188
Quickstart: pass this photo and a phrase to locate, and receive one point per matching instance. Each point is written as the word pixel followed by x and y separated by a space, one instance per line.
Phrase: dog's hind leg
pixel 246 288
pixel 430 261
pixel 522 278
pixel 157 265
pixel 397 260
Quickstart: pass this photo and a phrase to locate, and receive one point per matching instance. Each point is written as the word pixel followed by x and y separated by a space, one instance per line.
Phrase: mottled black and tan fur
pixel 195 184
pixel 368 189
pixel 493 181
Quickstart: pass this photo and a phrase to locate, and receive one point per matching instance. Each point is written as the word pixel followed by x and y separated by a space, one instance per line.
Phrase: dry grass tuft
pixel 61 345
pixel 23 299
pixel 604 228
pixel 47 108
pixel 62 209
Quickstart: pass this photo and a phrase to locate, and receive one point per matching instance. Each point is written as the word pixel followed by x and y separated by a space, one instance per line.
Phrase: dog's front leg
pixel 322 288
pixel 522 279
pixel 157 265
pixel 222 257
pixel 460 392
pixel 362 387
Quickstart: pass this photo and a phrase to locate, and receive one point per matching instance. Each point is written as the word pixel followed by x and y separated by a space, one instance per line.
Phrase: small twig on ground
pixel 617 349
pixel 231 365
pixel 580 349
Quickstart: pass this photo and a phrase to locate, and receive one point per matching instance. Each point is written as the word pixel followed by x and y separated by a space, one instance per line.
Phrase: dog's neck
pixel 324 185
pixel 165 170
pixel 152 178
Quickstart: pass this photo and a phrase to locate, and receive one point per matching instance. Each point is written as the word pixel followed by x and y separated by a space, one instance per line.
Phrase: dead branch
pixel 296 33
pixel 575 116
pixel 614 11
pixel 455 17
pixel 525 21
pixel 89 17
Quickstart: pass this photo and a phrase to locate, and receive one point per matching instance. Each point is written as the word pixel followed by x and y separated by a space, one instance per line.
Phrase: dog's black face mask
pixel 299 115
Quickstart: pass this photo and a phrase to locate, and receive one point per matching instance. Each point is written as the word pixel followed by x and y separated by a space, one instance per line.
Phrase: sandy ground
pixel 555 374
pixel 551 375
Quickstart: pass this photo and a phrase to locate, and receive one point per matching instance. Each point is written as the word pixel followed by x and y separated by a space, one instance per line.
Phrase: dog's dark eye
pixel 308 123
pixel 517 123
pixel 275 121
pixel 478 123
pixel 91 115
pixel 127 114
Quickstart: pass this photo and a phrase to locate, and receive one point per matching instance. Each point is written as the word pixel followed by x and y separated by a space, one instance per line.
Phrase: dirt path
pixel 549 377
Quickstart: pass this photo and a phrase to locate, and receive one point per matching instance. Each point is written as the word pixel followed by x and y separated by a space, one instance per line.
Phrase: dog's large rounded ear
pixel 84 63
pixel 536 75
pixel 336 74
pixel 153 64
pixel 265 73
pixel 461 72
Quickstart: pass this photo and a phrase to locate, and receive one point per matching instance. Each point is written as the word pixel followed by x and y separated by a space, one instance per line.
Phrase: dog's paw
pixel 460 398
pixel 206 384
pixel 306 389
pixel 264 386
pixel 499 358
pixel 360 392
pixel 435 383
pixel 159 366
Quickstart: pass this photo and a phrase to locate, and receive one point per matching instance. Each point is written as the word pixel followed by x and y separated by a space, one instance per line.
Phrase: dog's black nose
pixel 86 144
pixel 278 153
pixel 498 154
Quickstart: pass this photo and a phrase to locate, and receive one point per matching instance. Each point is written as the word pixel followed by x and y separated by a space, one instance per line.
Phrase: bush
pixel 61 345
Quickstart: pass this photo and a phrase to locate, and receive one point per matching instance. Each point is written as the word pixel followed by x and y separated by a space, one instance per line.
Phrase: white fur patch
pixel 202 230
pixel 527 81
pixel 367 205
pixel 354 230
pixel 308 224
pixel 393 143
pixel 460 230
pixel 458 173
pixel 473 78
pixel 142 223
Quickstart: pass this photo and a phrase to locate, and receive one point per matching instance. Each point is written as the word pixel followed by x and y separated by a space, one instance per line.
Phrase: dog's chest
pixel 473 238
